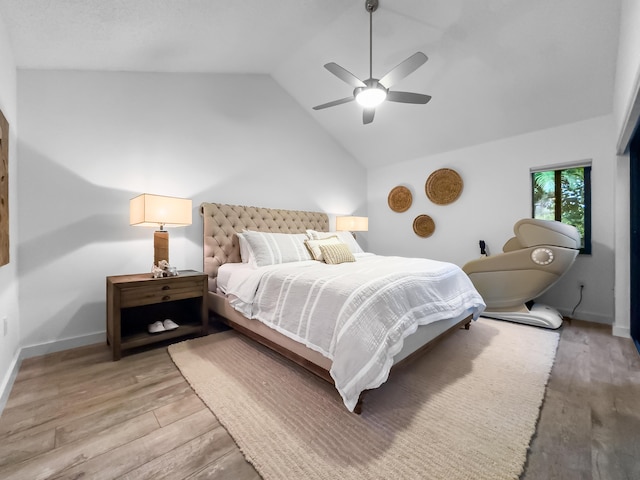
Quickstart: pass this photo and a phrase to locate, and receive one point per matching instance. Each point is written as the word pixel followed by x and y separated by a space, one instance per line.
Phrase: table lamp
pixel 352 224
pixel 148 210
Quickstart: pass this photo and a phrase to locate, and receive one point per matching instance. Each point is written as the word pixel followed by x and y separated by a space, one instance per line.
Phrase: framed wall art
pixel 4 190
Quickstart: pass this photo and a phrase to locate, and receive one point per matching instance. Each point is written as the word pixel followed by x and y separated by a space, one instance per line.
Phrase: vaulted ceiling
pixel 496 68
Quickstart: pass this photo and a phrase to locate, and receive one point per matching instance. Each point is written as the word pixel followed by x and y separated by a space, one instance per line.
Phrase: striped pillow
pixel 336 253
pixel 274 248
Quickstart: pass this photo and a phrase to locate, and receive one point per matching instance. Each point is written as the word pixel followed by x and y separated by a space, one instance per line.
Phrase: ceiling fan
pixel 372 92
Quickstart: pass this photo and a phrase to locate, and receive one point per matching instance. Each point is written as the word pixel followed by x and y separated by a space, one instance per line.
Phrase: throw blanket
pixel 356 314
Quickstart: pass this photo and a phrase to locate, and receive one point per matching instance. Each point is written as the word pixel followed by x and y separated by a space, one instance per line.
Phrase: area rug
pixel 465 410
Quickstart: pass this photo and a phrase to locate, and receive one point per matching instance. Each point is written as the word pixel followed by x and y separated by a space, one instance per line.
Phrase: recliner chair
pixel 532 261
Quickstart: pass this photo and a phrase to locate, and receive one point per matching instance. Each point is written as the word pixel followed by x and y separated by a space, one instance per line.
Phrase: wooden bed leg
pixel 358 408
pixel 467 325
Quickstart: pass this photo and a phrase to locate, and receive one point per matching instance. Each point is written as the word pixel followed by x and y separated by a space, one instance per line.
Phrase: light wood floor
pixel 77 414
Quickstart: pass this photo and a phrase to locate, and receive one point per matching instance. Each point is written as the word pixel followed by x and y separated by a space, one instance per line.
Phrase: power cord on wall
pixel 579 301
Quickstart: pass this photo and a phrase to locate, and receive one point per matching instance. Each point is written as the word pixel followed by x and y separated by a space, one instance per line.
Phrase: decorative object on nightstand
pixel 163 269
pixel 148 210
pixel 352 224
pixel 142 310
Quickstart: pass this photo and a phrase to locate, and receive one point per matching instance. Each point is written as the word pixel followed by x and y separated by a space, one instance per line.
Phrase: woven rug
pixel 465 410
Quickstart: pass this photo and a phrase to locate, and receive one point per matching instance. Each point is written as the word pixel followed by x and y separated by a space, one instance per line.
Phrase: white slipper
pixel 170 325
pixel 156 327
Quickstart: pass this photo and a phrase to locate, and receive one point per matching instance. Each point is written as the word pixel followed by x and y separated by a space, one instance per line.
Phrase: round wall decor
pixel 400 199
pixel 424 226
pixel 443 186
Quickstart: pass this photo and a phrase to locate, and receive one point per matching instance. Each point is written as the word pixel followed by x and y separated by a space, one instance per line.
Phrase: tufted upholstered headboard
pixel 221 222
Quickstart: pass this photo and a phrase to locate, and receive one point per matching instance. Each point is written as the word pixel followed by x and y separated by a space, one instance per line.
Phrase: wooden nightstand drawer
pixel 160 290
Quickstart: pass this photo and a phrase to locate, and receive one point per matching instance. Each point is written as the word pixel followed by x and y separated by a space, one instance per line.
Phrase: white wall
pixel 626 107
pixel 627 67
pixel 90 141
pixel 497 193
pixel 9 344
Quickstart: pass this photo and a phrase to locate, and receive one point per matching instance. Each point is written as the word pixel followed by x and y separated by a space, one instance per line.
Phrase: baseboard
pixel 587 317
pixel 62 344
pixel 42 349
pixel 624 332
pixel 9 378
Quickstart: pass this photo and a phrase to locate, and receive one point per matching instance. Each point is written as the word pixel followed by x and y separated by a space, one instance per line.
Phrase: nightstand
pixel 135 301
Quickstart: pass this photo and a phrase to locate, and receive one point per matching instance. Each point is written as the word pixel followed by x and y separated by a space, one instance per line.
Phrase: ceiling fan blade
pixel 344 75
pixel 334 103
pixel 403 69
pixel 367 115
pixel 407 97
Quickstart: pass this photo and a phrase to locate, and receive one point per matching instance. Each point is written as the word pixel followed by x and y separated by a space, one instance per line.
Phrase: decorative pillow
pixel 336 253
pixel 345 237
pixel 314 246
pixel 274 248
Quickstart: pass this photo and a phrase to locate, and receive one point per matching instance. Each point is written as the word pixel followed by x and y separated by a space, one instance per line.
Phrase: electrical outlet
pixel 5 326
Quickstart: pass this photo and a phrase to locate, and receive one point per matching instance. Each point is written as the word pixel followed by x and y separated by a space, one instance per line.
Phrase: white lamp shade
pixel 352 224
pixel 148 210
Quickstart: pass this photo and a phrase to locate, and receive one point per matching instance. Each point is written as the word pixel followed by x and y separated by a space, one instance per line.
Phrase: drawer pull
pixel 166 287
pixel 165 298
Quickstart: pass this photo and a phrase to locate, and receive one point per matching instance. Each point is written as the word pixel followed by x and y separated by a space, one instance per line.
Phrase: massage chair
pixel 532 261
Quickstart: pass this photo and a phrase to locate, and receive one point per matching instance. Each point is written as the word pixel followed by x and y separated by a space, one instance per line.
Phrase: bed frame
pixel 220 224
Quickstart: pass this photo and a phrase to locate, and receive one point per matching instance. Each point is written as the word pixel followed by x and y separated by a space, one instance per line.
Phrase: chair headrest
pixel 532 232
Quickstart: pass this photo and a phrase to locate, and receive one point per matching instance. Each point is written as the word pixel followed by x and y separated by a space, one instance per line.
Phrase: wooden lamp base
pixel 160 246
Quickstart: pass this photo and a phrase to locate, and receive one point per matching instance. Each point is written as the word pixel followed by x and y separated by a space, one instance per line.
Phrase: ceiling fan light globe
pixel 371 97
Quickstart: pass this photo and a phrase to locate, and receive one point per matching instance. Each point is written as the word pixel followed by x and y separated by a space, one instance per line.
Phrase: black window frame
pixel 586 250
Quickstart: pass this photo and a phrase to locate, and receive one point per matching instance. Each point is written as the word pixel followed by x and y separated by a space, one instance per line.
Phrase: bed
pixel 339 321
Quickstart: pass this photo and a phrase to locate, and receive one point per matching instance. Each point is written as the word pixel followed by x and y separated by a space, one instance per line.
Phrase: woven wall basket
pixel 443 186
pixel 400 199
pixel 424 226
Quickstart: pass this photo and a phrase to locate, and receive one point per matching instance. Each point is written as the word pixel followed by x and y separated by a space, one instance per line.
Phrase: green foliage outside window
pixel 564 195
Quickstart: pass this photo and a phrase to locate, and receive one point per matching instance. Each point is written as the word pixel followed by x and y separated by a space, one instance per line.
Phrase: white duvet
pixel 356 314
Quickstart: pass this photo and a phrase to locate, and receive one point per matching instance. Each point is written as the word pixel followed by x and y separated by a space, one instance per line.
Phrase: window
pixel 564 194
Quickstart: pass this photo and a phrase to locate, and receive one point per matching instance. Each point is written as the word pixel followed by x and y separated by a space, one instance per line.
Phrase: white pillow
pixel 345 237
pixel 245 250
pixel 314 246
pixel 274 248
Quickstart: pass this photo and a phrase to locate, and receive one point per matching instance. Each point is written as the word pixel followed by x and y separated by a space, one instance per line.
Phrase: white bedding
pixel 237 270
pixel 357 314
